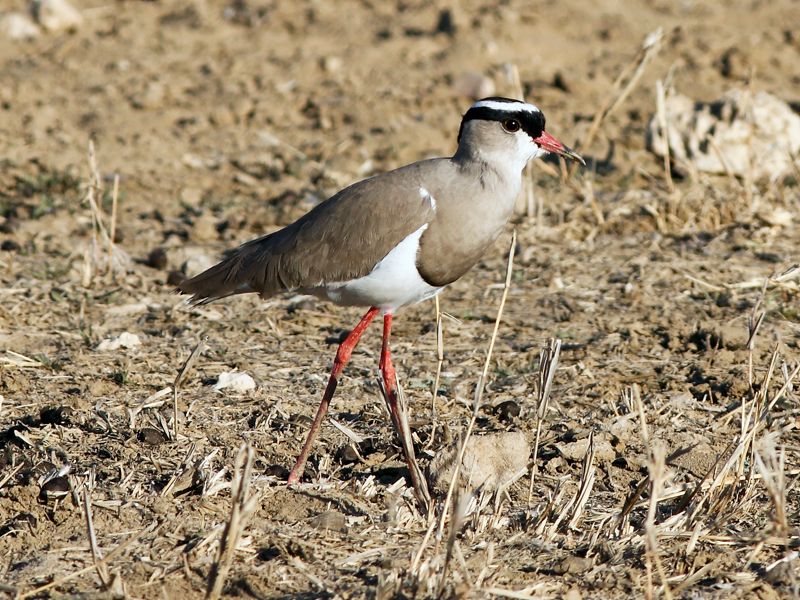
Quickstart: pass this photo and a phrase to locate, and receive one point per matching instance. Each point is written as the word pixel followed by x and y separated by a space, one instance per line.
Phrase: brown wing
pixel 340 239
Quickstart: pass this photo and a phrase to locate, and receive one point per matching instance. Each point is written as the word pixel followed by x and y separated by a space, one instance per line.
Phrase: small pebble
pixel 191 196
pixel 151 436
pixel 268 553
pixel 197 264
pixel 9 246
pixel 204 228
pixel 330 520
pixel 331 64
pixel 57 15
pixel 507 411
pixel 175 278
pixel 780 575
pixel 123 340
pixel 347 454
pixel 278 471
pixel 55 415
pixel 153 95
pixel 18 26
pixel 54 489
pixel 9 225
pixel 573 565
pixel 446 23
pixel 157 259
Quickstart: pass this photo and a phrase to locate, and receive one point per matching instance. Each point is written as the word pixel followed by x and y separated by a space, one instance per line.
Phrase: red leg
pixel 342 357
pixel 400 424
pixel 389 374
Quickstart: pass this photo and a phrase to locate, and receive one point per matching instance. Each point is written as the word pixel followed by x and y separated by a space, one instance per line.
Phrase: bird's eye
pixel 511 125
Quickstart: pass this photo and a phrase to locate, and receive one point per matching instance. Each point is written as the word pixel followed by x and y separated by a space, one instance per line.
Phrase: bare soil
pixel 225 120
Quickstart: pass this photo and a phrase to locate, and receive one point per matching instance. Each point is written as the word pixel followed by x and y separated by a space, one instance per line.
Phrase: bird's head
pixel 508 130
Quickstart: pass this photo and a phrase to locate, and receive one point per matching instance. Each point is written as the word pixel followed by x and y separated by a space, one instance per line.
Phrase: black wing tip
pixel 196 298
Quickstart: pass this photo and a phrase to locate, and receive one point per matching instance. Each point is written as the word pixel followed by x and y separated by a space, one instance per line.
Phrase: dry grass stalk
pixel 753 324
pixel 738 471
pixel 459 511
pixel 422 546
pixel 92 255
pixel 417 560
pixel 242 507
pixel 20 361
pixel 182 372
pixel 404 434
pixel 548 364
pixel 772 467
pixel 8 476
pixel 588 471
pixel 97 557
pixel 528 593
pixel 480 386
pixel 656 476
pixel 624 84
pixel 661 112
pixel 113 227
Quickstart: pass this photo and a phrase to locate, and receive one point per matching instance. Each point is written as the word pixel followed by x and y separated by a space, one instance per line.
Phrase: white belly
pixel 394 282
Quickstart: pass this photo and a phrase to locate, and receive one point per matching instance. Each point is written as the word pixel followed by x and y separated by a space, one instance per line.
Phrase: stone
pixel 575 451
pixel 492 461
pixel 56 15
pixel 235 381
pixel 330 520
pixel 744 133
pixel 123 340
pixel 196 264
pixel 18 26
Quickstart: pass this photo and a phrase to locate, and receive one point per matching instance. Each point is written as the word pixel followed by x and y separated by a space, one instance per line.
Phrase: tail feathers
pixel 224 279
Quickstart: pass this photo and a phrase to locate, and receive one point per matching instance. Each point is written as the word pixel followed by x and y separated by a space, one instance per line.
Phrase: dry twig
pixel 242 507
pixel 480 386
pixel 548 363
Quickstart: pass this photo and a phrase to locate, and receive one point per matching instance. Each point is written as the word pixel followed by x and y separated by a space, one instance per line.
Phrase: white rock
pixel 743 134
pixel 777 217
pixel 492 461
pixel 123 340
pixel 18 26
pixel 56 15
pixel 196 264
pixel 332 64
pixel 235 381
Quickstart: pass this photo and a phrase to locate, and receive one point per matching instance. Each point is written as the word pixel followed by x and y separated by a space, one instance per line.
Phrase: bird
pixel 394 239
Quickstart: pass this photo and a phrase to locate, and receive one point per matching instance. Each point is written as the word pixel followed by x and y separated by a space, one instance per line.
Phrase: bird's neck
pixel 504 170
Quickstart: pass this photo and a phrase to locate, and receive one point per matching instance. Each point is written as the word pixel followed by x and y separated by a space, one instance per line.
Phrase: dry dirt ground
pixel 224 120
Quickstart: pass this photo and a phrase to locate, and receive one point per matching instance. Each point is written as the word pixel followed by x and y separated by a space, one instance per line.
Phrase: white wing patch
pixel 394 282
pixel 506 106
pixel 426 195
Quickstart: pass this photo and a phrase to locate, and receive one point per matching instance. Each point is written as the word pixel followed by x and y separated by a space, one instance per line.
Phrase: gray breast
pixel 472 210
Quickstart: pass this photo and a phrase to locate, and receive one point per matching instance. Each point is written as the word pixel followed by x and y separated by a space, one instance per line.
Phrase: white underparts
pixel 394 282
pixel 506 106
pixel 426 195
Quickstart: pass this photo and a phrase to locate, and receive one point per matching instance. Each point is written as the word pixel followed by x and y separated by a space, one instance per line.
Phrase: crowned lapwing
pixel 394 239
